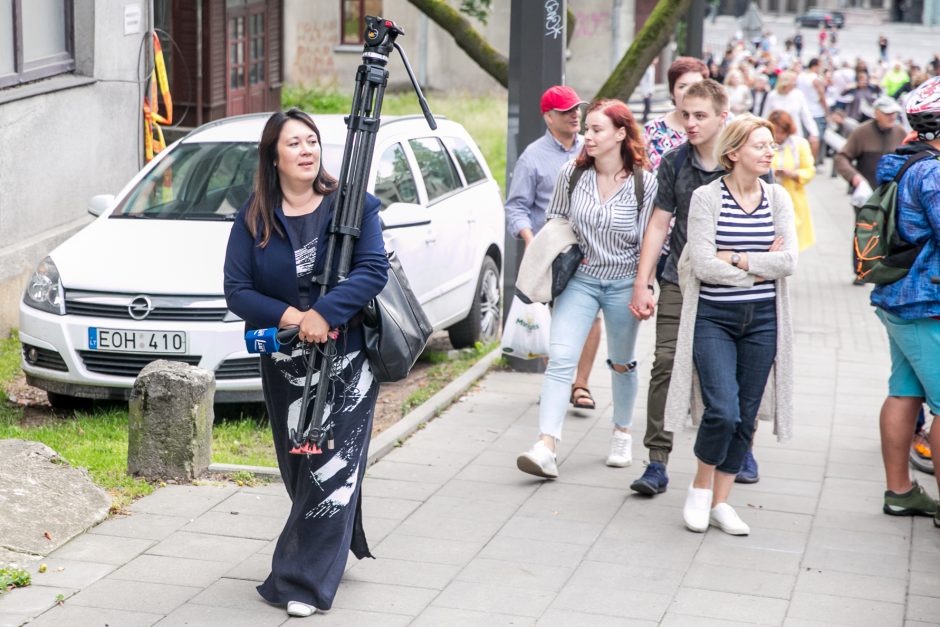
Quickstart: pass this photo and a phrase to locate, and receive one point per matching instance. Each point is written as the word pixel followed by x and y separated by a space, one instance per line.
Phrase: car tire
pixel 67 403
pixel 483 323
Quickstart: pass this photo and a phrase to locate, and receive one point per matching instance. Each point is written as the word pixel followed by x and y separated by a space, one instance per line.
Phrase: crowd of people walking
pixel 710 249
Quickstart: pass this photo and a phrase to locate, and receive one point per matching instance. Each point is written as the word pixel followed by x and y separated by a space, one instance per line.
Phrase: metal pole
pixel 536 62
pixel 695 29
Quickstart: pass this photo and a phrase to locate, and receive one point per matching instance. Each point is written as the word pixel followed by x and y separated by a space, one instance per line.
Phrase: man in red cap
pixel 530 191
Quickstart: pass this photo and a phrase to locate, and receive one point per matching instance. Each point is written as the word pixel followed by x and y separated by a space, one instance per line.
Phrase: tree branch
pixel 467 38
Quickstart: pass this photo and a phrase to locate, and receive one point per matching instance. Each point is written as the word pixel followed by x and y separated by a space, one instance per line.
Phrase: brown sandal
pixel 582 401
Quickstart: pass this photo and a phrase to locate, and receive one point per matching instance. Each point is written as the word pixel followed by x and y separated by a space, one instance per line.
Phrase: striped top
pixel 741 232
pixel 608 233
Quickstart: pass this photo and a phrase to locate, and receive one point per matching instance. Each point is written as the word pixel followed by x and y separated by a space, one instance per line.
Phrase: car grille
pixel 45 358
pixel 241 368
pixel 127 364
pixel 105 305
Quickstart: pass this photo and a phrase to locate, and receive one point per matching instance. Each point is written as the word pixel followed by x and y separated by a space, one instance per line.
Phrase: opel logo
pixel 140 308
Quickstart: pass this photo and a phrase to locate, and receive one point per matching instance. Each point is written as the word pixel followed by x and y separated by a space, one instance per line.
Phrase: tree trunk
pixel 486 56
pixel 649 42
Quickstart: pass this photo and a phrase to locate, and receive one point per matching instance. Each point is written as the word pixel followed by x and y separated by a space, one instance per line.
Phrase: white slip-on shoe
pixel 620 455
pixel 538 461
pixel 695 513
pixel 301 610
pixel 725 518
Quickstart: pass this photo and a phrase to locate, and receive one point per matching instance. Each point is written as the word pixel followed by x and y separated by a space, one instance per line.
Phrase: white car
pixel 144 280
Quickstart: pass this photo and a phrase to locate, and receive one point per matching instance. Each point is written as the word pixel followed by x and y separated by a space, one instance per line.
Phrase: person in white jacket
pixel 786 97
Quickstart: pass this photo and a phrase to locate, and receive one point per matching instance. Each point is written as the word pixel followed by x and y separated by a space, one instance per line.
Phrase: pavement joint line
pixel 394 436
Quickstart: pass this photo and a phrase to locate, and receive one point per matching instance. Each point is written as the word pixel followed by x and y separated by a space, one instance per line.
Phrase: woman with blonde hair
pixel 739 94
pixel 786 97
pixel 793 169
pixel 735 323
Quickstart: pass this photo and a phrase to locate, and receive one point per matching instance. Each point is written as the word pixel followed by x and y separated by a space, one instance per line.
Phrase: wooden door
pixel 247 80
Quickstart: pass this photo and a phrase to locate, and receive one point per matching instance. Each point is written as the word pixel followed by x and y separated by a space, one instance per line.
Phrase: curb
pixel 392 437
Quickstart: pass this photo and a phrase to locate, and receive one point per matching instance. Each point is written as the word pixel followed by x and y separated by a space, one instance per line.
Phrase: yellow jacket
pixel 795 154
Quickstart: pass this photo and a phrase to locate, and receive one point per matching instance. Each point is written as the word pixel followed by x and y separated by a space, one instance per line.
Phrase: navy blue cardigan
pixel 260 283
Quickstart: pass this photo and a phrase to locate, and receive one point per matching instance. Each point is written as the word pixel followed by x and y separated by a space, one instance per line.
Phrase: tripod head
pixel 379 39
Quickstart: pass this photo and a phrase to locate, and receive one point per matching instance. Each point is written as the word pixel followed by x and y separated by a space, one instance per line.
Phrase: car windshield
pixel 209 181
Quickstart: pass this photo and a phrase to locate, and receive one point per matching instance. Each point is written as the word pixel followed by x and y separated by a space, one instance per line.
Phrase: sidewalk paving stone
pixel 840 610
pixel 76 616
pixel 463 538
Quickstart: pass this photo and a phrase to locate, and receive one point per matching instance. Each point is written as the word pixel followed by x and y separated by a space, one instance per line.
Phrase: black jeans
pixel 734 349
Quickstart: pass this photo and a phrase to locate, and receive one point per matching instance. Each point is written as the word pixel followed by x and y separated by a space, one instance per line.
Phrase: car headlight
pixel 44 289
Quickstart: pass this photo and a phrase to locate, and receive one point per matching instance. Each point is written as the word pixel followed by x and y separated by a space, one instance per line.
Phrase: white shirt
pixel 793 103
pixel 804 83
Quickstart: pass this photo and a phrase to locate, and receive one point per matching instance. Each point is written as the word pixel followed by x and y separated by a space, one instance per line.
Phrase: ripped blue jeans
pixel 572 316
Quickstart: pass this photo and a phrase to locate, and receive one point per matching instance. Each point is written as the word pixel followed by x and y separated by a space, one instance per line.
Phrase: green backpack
pixel 882 257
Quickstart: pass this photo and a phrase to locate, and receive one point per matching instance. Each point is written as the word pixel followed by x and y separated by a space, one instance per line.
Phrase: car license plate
pixel 127 341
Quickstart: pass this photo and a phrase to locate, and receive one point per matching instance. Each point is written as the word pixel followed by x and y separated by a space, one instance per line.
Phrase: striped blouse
pixel 741 232
pixel 608 233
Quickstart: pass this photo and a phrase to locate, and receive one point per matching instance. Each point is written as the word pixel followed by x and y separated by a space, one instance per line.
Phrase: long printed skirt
pixel 325 520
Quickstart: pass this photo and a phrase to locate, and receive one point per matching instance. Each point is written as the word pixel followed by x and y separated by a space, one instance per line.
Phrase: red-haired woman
pixel 605 215
pixel 668 131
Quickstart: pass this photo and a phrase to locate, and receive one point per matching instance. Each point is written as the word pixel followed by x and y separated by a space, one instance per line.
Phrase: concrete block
pixel 435 616
pixel 632 604
pixel 515 575
pixel 209 547
pixel 862 541
pixel 211 616
pixel 341 617
pixel 789 542
pixel 745 608
pixel 253 568
pixel 923 608
pixel 563 501
pixel 141 526
pixel 865 587
pixel 396 489
pixel 872 521
pixel 171 570
pixel 552 530
pixel 135 596
pixel 391 508
pixel 640 553
pixel 233 593
pixel 411 472
pixel 66 573
pixel 925 583
pixel 430 524
pixel 239 526
pixel 187 501
pixel 671 619
pixel 76 616
pixel 841 610
pixel 734 580
pixel 749 559
pixel 513 493
pixel 255 505
pixel 420 549
pixel 565 618
pixel 170 421
pixel 384 598
pixel 886 565
pixel 493 598
pixel 23 603
pixel 103 549
pixel 534 551
pixel 394 571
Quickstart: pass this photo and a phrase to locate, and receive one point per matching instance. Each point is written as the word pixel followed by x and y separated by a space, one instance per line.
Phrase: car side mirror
pixel 100 203
pixel 401 215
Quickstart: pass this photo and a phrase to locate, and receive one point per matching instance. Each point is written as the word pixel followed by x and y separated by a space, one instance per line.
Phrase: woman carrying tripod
pixel 276 248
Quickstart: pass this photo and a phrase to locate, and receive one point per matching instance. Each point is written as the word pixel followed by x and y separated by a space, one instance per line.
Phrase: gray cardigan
pixel 698 263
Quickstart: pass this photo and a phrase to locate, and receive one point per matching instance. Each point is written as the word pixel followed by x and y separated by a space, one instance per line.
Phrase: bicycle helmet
pixel 923 110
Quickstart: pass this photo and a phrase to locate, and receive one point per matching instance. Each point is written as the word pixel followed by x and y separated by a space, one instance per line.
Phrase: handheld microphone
pixel 271 339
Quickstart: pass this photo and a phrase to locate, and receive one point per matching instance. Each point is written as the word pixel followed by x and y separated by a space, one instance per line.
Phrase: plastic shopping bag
pixel 527 331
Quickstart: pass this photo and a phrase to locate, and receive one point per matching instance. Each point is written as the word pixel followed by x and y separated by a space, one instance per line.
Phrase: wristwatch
pixel 735 259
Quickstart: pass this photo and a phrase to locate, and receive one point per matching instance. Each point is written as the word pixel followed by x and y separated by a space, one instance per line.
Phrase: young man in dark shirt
pixel 682 170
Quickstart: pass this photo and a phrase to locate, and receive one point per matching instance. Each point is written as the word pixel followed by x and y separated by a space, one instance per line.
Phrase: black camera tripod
pixel 362 124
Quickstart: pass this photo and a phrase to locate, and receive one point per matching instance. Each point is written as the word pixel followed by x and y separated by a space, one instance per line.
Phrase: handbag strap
pixel 638 188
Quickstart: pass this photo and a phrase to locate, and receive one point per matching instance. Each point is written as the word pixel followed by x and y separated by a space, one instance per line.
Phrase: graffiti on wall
pixel 554 25
pixel 592 23
pixel 313 59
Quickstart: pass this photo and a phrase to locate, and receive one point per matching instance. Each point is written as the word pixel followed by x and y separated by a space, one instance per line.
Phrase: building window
pixel 353 23
pixel 35 40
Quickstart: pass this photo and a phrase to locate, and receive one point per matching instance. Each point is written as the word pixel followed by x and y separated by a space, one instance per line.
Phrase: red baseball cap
pixel 560 98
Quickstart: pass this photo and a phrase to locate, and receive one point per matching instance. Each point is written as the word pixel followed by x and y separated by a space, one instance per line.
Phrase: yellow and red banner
pixel 153 119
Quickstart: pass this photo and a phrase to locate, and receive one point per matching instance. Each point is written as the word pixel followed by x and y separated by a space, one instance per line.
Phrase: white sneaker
pixel 538 461
pixel 698 504
pixel 620 455
pixel 725 518
pixel 301 610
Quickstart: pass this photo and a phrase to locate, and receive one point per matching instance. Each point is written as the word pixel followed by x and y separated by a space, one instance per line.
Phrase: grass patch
pixel 484 117
pixel 246 440
pixel 443 373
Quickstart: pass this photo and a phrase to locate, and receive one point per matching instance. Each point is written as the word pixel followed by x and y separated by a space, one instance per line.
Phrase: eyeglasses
pixel 774 147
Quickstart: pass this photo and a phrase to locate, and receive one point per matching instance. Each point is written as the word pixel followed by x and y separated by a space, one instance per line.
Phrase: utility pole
pixel 695 29
pixel 536 62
